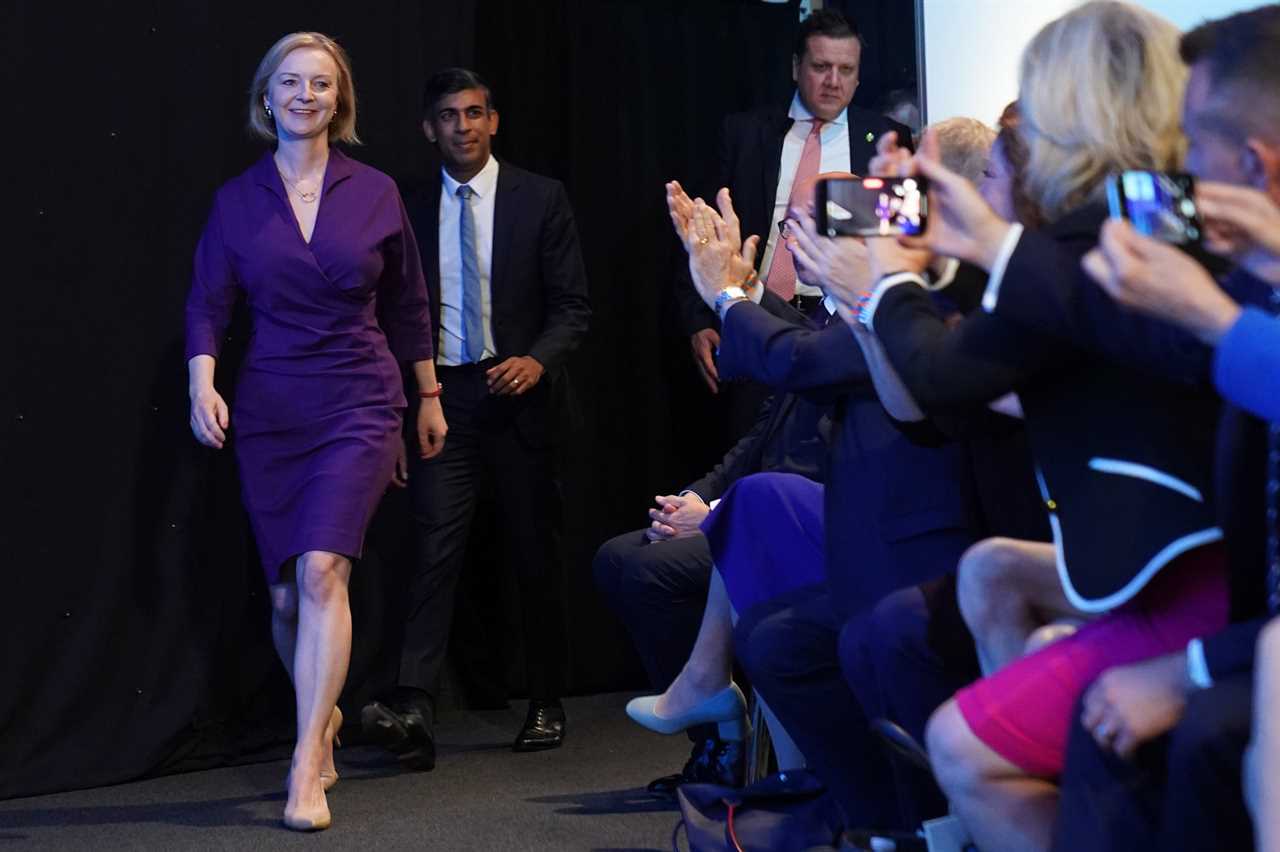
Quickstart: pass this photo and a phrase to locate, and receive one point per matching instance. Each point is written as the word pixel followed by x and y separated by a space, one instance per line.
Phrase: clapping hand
pixel 1160 280
pixel 718 258
pixel 838 265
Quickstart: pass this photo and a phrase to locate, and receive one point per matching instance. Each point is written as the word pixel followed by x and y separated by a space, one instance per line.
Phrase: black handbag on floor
pixel 787 811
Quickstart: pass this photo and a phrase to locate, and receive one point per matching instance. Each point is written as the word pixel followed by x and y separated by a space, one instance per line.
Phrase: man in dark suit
pixel 509 292
pixel 766 152
pixel 656 579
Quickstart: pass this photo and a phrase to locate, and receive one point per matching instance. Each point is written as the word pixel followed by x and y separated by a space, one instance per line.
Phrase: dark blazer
pixel 896 513
pixel 1125 453
pixel 748 162
pixel 790 434
pixel 537 282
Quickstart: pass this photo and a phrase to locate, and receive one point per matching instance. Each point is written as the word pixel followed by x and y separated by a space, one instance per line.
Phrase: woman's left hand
pixel 431 428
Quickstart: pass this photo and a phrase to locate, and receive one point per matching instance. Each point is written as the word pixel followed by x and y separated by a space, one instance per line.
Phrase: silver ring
pixel 515 381
pixel 702 241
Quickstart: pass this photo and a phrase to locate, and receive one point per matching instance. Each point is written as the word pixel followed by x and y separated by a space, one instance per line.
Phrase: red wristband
pixel 431 394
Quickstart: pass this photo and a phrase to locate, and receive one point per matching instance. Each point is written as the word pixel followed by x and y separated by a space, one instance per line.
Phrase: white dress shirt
pixel 450 351
pixel 834 138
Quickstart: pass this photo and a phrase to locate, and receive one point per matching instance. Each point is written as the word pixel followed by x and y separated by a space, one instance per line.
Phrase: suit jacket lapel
pixel 773 132
pixel 504 223
pixel 428 234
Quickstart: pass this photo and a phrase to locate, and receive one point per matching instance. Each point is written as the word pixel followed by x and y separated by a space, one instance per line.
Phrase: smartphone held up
pixel 1158 204
pixel 872 206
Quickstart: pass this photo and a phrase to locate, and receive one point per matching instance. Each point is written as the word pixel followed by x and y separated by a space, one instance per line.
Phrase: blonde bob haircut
pixel 343 126
pixel 1100 91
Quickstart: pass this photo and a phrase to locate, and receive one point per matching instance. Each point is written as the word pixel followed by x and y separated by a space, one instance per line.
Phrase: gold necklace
pixel 307 197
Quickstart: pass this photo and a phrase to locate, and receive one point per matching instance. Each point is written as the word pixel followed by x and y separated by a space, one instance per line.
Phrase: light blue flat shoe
pixel 727 710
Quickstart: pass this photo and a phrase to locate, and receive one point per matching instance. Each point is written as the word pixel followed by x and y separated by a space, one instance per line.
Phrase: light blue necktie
pixel 472 321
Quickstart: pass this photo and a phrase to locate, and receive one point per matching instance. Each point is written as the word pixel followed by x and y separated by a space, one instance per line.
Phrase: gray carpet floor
pixel 588 795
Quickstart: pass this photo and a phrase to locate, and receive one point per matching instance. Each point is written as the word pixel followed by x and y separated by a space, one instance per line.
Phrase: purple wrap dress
pixel 316 421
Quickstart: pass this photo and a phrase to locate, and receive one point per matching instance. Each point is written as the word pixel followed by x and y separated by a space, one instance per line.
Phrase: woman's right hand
pixel 210 418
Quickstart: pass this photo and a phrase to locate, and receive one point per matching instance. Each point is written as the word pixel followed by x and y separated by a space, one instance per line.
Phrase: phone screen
pixel 1159 204
pixel 872 207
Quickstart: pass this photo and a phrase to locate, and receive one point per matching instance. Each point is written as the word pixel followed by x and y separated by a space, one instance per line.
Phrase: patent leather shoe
pixel 543 728
pixel 404 731
pixel 711 761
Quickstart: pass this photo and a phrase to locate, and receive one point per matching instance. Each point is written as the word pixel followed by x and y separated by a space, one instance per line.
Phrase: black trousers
pixel 486 456
pixel 1180 793
pixel 902 663
pixel 790 649
pixel 659 591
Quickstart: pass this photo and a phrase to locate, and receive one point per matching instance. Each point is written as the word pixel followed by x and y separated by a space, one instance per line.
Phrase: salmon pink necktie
pixel 781 279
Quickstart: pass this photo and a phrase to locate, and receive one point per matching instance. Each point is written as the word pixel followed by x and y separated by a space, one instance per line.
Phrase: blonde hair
pixel 343 126
pixel 965 144
pixel 1100 90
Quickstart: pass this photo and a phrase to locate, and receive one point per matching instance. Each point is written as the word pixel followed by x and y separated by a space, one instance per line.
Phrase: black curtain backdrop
pixel 135 617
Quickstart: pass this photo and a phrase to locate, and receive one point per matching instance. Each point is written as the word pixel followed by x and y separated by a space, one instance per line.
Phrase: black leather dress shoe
pixel 712 761
pixel 404 731
pixel 543 727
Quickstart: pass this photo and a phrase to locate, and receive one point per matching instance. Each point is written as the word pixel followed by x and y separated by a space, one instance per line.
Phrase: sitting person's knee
pixel 986 579
pixel 762 650
pixel 950 745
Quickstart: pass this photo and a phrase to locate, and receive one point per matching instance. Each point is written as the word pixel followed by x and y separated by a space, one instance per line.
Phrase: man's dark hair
pixel 824 22
pixel 1241 48
pixel 450 81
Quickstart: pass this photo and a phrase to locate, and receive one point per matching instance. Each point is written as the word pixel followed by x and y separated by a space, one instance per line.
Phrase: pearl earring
pixel 267 107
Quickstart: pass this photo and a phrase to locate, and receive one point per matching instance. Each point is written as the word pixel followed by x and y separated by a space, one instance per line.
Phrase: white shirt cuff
pixel 944 280
pixel 992 295
pixel 1197 666
pixel 867 314
pixel 712 505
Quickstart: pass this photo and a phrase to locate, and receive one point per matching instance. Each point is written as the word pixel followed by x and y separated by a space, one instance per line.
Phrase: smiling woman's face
pixel 303 93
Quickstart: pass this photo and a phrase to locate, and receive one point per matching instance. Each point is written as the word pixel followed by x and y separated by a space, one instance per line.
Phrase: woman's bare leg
pixel 710 664
pixel 1007 589
pixel 1003 808
pixel 284 635
pixel 321 657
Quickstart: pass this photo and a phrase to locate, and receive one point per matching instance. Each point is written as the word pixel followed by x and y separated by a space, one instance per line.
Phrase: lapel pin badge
pixel 871 137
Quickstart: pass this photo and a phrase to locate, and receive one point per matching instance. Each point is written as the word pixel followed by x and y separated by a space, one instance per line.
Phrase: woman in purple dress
pixel 322 249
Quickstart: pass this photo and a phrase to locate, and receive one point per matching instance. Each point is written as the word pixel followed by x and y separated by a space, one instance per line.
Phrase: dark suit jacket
pixel 537 282
pixel 896 512
pixel 790 434
pixel 750 157
pixel 1124 451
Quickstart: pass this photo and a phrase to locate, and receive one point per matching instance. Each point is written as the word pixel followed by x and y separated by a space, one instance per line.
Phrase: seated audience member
pixel 1155 759
pixel 792 572
pixel 1124 449
pixel 657 578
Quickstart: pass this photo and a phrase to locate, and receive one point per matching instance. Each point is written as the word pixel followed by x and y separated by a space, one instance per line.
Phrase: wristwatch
pixel 727 297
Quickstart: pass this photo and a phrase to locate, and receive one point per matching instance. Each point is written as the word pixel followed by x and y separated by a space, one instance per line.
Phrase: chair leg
pixel 768 736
